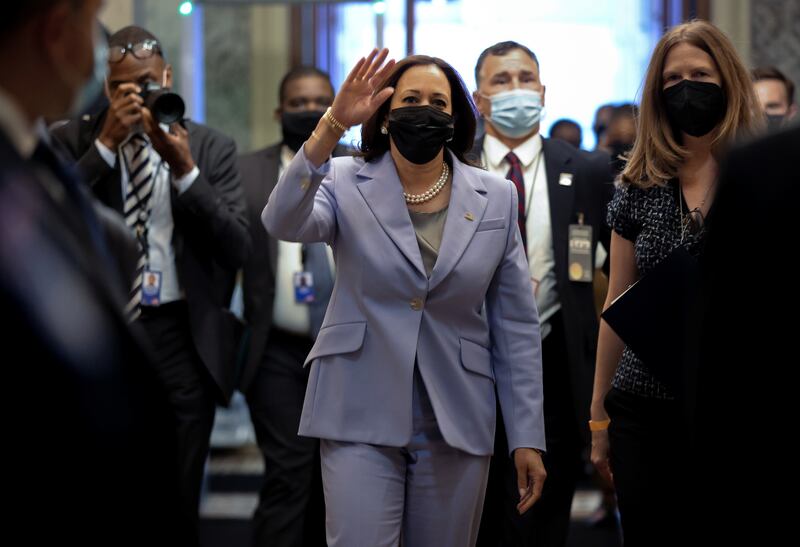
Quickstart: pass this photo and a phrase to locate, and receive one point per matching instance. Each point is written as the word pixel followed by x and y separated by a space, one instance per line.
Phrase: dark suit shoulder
pixel 594 166
pixel 259 171
pixel 208 135
pixel 77 134
pixel 774 149
pixel 560 146
pixel 256 157
pixel 595 156
pixel 763 173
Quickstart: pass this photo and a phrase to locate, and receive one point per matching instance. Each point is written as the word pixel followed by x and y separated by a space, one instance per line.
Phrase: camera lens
pixel 167 107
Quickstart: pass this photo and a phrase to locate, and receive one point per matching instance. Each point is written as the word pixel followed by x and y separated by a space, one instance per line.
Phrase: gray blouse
pixel 429 228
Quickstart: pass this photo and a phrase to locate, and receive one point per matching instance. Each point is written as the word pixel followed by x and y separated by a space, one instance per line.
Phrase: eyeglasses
pixel 140 50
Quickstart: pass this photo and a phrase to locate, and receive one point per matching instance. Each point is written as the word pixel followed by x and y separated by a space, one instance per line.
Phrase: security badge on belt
pixel 580 259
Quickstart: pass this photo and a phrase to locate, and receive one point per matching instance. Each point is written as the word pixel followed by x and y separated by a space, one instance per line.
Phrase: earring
pixel 384 131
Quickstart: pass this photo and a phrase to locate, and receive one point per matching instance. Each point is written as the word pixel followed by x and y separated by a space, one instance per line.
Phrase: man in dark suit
pixel 93 461
pixel 561 204
pixel 282 328
pixel 179 191
pixel 744 459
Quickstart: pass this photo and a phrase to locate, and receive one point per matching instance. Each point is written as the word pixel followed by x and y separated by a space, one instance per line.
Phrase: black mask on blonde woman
pixel 419 132
pixel 694 107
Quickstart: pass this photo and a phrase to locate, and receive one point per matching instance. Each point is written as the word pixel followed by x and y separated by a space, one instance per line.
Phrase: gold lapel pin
pixel 469 217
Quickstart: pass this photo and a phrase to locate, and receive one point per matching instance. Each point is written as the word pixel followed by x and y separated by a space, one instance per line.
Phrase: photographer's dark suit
pixel 291 509
pixel 568 356
pixel 193 337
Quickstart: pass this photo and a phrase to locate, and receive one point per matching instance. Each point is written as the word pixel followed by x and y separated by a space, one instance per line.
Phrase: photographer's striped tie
pixel 137 210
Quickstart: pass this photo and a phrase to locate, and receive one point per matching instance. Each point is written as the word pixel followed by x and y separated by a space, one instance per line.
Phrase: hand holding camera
pixel 172 146
pixel 124 114
pixel 135 108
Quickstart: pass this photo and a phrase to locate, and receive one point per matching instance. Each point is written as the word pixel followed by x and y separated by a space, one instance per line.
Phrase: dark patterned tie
pixel 515 175
pixel 136 210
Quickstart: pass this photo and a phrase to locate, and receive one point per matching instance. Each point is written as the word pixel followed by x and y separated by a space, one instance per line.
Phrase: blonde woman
pixel 697 98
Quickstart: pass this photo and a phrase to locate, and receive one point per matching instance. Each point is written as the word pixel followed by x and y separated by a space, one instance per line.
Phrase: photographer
pixel 179 190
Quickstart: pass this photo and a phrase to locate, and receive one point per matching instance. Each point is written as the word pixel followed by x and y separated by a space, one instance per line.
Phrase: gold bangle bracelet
pixel 336 124
pixel 599 425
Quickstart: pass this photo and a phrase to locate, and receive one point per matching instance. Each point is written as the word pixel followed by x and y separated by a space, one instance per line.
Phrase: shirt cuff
pixel 108 156
pixel 185 182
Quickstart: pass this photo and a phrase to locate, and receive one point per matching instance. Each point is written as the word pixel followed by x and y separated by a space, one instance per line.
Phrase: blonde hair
pixel 657 154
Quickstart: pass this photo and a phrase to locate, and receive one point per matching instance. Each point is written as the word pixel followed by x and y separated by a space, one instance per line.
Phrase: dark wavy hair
pixel 374 144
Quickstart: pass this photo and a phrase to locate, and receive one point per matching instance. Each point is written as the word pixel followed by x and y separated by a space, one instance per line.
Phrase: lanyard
pixel 533 181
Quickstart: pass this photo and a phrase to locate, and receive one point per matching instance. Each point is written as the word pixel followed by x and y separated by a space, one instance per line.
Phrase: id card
pixel 303 287
pixel 151 288
pixel 581 263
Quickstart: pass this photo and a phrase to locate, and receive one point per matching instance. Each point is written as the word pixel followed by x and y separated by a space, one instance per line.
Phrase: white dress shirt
pixel 539 232
pixel 16 126
pixel 160 225
pixel 287 314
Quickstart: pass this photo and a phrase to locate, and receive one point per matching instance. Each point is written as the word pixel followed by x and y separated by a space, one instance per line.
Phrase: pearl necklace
pixel 430 193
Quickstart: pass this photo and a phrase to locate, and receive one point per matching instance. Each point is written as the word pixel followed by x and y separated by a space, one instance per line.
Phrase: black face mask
pixel 619 149
pixel 775 121
pixel 419 132
pixel 297 127
pixel 694 107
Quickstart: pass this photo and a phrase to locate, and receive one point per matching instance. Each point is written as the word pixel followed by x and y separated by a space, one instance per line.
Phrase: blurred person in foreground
pixel 745 387
pixel 178 188
pixel 93 458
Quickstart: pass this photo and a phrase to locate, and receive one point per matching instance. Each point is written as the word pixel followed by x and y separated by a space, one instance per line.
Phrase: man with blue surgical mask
pixel 561 210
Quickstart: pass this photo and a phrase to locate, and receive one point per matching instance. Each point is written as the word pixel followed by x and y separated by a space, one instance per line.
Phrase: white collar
pixel 16 126
pixel 496 151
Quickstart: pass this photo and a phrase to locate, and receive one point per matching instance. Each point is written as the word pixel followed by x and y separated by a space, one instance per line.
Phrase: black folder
pixel 654 315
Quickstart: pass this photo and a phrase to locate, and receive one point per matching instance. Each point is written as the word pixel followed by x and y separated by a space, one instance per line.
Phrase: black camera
pixel 167 107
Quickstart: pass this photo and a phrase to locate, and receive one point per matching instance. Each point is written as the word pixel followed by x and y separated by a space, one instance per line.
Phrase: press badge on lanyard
pixel 151 279
pixel 151 288
pixel 581 261
pixel 303 287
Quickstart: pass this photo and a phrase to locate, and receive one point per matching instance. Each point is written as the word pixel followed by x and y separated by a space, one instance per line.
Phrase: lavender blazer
pixel 472 327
